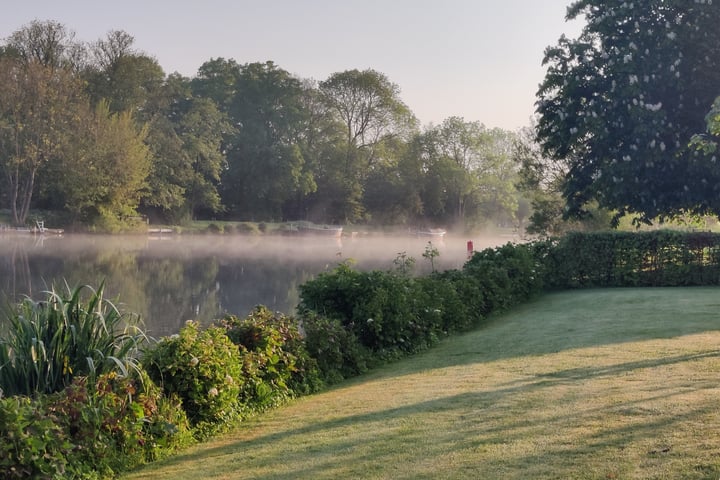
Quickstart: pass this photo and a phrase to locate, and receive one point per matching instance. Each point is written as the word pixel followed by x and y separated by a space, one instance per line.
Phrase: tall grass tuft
pixel 44 344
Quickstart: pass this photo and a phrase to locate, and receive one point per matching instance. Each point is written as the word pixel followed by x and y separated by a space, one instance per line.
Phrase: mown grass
pixel 596 384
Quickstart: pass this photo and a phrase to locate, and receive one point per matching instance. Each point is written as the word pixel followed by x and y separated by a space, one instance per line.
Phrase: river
pixel 170 279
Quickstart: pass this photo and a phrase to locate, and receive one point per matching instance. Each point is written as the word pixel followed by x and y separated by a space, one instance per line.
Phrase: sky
pixel 475 59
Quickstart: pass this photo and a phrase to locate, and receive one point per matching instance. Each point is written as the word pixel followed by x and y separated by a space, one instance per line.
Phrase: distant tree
pixel 469 172
pixel 620 104
pixel 202 128
pixel 108 52
pixel 47 43
pixel 124 78
pixel 541 179
pixel 217 79
pixel 392 189
pixel 498 173
pixel 266 167
pixel 185 137
pixel 37 105
pixel 320 139
pixel 104 167
pixel 368 106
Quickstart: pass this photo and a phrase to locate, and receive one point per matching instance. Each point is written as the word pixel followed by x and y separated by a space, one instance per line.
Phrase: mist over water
pixel 171 279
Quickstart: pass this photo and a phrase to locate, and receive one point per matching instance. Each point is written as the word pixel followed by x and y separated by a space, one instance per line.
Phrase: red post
pixel 470 248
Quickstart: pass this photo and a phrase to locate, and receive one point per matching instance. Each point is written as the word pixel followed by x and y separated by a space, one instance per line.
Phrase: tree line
pixel 100 135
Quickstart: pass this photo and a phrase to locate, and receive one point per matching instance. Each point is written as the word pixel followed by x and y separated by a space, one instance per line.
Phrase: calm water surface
pixel 172 279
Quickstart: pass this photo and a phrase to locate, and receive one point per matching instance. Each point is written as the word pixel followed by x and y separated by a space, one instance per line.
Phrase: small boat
pixel 323 230
pixel 309 228
pixel 431 232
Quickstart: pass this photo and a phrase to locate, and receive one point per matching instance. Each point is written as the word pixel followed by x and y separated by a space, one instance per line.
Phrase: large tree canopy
pixel 368 106
pixel 96 133
pixel 620 105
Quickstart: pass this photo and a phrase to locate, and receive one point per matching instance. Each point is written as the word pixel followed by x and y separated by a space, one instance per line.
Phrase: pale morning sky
pixel 476 59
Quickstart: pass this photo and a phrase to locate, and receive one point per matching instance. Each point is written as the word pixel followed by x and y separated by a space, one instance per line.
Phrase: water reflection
pixel 171 279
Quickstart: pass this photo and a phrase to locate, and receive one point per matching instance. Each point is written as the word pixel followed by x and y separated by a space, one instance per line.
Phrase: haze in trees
pixel 98 134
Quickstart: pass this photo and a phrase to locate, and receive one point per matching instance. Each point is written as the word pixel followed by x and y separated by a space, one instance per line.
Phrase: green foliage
pixel 708 142
pixel 620 104
pixel 367 106
pixel 275 362
pixel 507 275
pixel 109 190
pixel 451 301
pixel 265 166
pixel 34 444
pixel 356 320
pixel 431 253
pixel 619 259
pixel 89 430
pixel 214 228
pixel 337 350
pixel 404 263
pixel 203 369
pixel 246 228
pixel 47 343
pixel 377 307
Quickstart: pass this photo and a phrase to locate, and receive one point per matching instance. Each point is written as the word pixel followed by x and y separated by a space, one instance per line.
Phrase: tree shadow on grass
pixel 332 448
pixel 337 447
pixel 569 320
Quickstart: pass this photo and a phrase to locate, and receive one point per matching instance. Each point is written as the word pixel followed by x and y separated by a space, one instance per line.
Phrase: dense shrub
pixel 380 309
pixel 34 444
pixel 203 368
pixel 117 422
pixel 360 319
pixel 214 228
pixel 275 362
pixel 620 259
pixel 246 228
pixel 506 275
pixel 88 430
pixel 337 350
pixel 454 298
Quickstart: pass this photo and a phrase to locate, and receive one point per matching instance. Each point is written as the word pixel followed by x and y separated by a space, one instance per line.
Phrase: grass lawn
pixel 597 384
